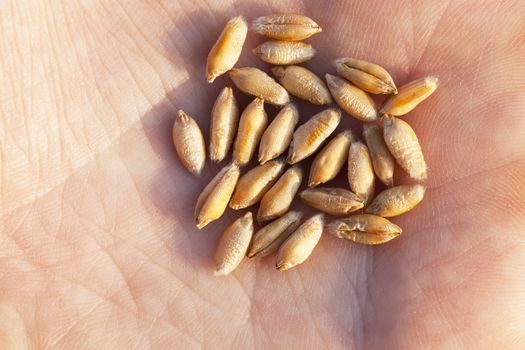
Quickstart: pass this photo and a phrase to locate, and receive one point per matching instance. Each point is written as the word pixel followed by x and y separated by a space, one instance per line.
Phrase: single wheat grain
pixel 189 143
pixel 290 27
pixel 226 51
pixel 233 245
pixel 270 237
pixel 365 229
pixel 397 200
pixel 311 135
pixel 333 201
pixel 298 247
pixel 224 122
pixel 303 83
pixel 284 52
pixel 278 135
pixel 367 76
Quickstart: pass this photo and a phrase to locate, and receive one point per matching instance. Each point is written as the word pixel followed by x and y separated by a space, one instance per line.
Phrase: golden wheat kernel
pixel 312 134
pixel 284 52
pixel 360 171
pixel 270 237
pixel 351 99
pixel 382 161
pixel 365 75
pixel 403 144
pixel 409 96
pixel 364 229
pixel 303 83
pixel 290 27
pixel 224 122
pixel 277 200
pixel 252 124
pixel 278 135
pixel 254 184
pixel 189 143
pixel 233 245
pixel 214 198
pixel 226 51
pixel 298 247
pixel 255 82
pixel 333 201
pixel 330 160
pixel 397 200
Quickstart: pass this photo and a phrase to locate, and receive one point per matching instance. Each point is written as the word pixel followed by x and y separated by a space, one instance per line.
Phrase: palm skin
pixel 98 247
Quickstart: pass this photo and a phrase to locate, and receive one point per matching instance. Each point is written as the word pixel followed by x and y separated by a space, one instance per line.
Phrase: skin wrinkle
pixel 432 35
pixel 151 262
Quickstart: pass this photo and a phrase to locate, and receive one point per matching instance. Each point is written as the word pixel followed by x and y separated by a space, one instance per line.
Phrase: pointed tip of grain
pixel 220 271
pixel 291 159
pixel 432 81
pixel 278 72
pixel 210 77
pixel 239 19
pixel 251 253
pixel 313 183
pixel 235 205
pixel 387 121
pixel 330 79
pixel 247 219
pixel 257 51
pixel 196 171
pixel 233 73
pixel 283 266
pixel 263 158
pixel 227 91
pixel 182 116
pixel 259 102
pixel 201 224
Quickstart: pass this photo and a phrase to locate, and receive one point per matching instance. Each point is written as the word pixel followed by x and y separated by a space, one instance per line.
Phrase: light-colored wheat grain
pixel 298 247
pixel 303 83
pixel 409 96
pixel 397 200
pixel 330 160
pixel 360 172
pixel 226 51
pixel 284 52
pixel 290 27
pixel 364 229
pixel 189 143
pixel 367 76
pixel 255 82
pixel 311 135
pixel 224 122
pixel 214 198
pixel 252 124
pixel 333 201
pixel 278 135
pixel 277 200
pixel 270 237
pixel 403 144
pixel 233 245
pixel 351 99
pixel 254 184
pixel 382 160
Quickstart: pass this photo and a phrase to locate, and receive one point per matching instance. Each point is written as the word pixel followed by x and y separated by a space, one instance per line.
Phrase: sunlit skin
pixel 98 245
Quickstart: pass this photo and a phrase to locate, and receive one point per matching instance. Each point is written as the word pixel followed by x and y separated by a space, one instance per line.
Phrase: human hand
pixel 98 247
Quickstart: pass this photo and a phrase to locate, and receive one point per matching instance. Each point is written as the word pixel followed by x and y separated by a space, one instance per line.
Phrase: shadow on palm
pixel 437 277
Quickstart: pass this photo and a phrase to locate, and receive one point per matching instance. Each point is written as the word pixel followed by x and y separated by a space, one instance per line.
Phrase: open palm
pixel 98 247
